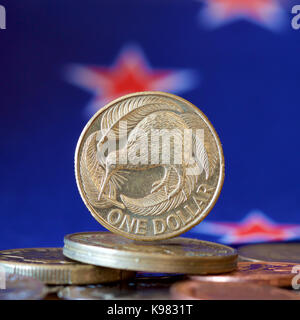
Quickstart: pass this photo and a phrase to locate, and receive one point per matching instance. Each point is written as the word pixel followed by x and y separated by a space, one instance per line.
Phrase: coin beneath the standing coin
pixel 149 166
pixel 279 252
pixel 178 255
pixel 142 288
pixel 266 273
pixel 50 266
pixel 195 290
pixel 22 288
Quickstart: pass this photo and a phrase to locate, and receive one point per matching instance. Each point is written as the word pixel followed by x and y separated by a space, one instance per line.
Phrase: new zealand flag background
pixel 237 60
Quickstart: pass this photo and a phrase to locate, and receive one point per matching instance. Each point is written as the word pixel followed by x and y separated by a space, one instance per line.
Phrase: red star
pixel 130 73
pixel 254 228
pixel 265 12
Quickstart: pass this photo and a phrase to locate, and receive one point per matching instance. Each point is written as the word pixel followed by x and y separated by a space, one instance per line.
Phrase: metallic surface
pixel 22 288
pixel 195 290
pixel 280 252
pixel 274 274
pixel 142 288
pixel 158 201
pixel 178 255
pixel 50 266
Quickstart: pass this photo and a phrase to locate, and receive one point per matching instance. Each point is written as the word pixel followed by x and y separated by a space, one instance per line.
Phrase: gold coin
pixel 178 255
pixel 149 166
pixel 274 252
pixel 50 266
pixel 17 287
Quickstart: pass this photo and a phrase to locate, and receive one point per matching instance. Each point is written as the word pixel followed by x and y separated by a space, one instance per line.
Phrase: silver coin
pixel 22 288
pixel 143 288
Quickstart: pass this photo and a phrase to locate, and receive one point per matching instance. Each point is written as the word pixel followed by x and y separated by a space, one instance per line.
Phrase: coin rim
pixel 143 261
pixel 62 273
pixel 175 233
pixel 243 256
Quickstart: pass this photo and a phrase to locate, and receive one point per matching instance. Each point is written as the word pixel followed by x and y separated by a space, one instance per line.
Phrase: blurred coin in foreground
pixel 267 273
pixel 50 266
pixel 177 255
pixel 142 288
pixel 195 290
pixel 279 252
pixel 22 288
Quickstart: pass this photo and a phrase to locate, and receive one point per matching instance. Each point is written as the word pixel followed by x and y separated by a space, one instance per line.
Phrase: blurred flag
pixel 222 55
pixel 131 72
pixel 266 13
pixel 254 227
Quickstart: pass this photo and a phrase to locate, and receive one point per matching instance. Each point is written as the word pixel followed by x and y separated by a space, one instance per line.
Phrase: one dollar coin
pixel 149 166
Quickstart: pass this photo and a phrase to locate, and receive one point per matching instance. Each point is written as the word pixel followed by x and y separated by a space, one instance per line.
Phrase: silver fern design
pixel 146 118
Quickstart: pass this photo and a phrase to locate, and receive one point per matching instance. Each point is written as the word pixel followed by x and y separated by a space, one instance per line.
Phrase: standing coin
pixel 149 166
pixel 178 255
pixel 279 252
pixel 275 274
pixel 22 288
pixel 50 266
pixel 195 290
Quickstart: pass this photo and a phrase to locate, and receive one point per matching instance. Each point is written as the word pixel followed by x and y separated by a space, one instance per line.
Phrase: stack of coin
pixel 149 166
pixel 145 196
pixel 142 199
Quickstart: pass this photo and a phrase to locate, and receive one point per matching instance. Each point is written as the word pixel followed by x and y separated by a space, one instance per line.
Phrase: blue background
pixel 249 89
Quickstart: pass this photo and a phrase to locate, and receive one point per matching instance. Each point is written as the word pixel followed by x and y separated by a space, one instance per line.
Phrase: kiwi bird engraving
pixel 103 175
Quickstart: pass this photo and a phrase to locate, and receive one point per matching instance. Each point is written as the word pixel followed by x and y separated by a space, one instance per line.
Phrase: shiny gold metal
pixel 22 288
pixel 50 266
pixel 178 255
pixel 274 252
pixel 166 151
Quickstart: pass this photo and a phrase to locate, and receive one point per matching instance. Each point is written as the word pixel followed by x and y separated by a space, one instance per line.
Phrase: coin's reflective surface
pixel 177 255
pixel 149 166
pixel 142 288
pixel 195 290
pixel 280 252
pixel 50 266
pixel 22 288
pixel 272 273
